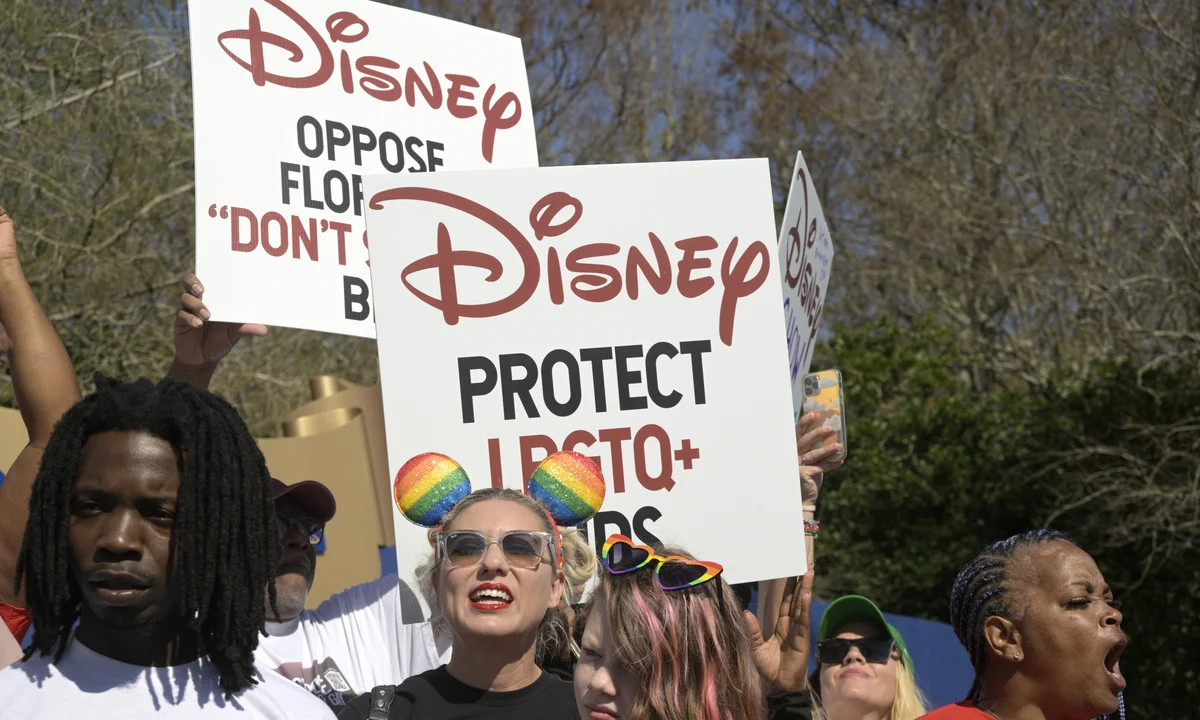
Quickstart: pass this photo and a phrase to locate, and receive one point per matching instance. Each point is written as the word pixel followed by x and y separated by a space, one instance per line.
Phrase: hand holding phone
pixel 823 395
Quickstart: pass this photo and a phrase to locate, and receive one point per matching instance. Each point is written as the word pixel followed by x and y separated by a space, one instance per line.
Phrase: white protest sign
pixel 295 101
pixel 627 312
pixel 805 256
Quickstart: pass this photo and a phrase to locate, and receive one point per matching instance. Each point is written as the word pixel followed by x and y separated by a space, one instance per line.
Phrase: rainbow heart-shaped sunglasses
pixel 622 555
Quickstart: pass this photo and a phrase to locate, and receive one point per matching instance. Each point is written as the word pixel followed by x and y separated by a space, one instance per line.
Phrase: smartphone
pixel 823 394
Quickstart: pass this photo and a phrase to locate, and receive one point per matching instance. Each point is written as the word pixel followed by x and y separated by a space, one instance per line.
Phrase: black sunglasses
pixel 873 650
pixel 314 530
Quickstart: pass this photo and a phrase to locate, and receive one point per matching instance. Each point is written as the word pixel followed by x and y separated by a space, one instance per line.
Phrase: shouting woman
pixel 1043 632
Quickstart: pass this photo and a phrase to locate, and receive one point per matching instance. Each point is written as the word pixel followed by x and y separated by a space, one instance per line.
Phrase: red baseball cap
pixel 313 498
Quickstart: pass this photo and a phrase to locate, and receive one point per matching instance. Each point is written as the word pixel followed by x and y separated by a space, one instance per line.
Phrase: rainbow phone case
pixel 823 394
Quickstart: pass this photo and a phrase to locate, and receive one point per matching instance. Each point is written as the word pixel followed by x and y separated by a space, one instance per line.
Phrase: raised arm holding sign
pixel 44 383
pixel 805 257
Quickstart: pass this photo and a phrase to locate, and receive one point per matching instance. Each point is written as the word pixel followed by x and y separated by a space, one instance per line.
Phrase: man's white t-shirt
pixel 86 684
pixel 353 642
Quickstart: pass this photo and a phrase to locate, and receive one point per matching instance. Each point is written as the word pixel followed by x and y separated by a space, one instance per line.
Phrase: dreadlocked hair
pixel 224 538
pixel 982 590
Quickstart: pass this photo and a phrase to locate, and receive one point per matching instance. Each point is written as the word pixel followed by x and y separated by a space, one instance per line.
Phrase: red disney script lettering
pixel 798 265
pixel 594 280
pixel 373 72
pixel 799 271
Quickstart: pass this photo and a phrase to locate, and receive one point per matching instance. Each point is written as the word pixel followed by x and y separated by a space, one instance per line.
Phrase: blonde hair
pixel 578 564
pixel 908 704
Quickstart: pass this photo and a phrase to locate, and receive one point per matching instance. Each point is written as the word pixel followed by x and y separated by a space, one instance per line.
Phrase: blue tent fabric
pixel 387 561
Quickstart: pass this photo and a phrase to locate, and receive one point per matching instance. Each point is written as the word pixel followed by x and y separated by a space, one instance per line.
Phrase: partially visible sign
pixel 627 312
pixel 294 102
pixel 805 256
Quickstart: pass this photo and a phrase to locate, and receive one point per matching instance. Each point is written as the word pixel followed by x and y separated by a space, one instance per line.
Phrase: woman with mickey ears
pixel 497 573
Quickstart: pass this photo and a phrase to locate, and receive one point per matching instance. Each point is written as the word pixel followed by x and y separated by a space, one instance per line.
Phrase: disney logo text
pixel 595 280
pixel 373 72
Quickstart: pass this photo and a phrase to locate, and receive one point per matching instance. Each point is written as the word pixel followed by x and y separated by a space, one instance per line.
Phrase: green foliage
pixel 924 487
pixel 1130 443
pixel 938 470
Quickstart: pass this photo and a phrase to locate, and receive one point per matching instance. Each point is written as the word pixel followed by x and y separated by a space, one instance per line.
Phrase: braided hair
pixel 982 590
pixel 224 533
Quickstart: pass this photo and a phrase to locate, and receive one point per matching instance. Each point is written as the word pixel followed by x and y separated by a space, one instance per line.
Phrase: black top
pixel 436 695
pixel 561 670
pixel 790 706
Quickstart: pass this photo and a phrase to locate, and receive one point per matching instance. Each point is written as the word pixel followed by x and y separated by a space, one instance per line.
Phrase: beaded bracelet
pixel 811 527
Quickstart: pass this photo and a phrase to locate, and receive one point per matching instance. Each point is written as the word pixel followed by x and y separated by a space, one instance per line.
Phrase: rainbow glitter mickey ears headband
pixel 569 485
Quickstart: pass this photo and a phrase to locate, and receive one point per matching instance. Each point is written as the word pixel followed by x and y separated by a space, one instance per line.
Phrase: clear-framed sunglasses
pixel 521 548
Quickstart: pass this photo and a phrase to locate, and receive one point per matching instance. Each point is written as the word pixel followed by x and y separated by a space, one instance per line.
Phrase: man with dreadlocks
pixel 356 639
pixel 151 535
pixel 1042 630
pixel 150 524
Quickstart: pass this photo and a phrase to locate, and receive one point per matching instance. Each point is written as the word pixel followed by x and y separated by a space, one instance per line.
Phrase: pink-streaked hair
pixel 688 649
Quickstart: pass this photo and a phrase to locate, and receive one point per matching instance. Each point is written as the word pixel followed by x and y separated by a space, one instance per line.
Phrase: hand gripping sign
pixel 295 101
pixel 629 313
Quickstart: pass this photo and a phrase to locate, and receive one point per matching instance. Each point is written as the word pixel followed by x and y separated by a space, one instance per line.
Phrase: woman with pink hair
pixel 665 639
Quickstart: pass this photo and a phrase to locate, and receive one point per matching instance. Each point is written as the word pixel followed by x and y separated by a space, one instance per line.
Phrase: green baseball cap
pixel 856 608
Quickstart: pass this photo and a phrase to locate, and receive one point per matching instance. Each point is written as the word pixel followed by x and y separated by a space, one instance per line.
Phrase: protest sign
pixel 805 256
pixel 295 101
pixel 627 312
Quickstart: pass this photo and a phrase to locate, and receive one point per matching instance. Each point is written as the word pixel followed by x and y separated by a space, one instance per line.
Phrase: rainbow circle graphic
pixel 571 487
pixel 428 486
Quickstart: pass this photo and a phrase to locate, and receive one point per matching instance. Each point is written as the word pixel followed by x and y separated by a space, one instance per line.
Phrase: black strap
pixel 381 701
